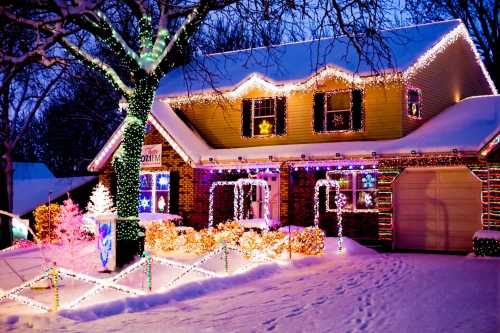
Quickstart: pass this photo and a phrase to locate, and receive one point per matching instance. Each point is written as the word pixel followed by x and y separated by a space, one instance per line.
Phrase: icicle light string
pixel 256 80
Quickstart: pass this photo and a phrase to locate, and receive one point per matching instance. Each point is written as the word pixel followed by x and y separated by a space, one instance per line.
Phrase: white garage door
pixel 436 209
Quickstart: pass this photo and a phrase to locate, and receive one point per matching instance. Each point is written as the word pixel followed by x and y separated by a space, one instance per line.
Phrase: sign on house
pixel 151 156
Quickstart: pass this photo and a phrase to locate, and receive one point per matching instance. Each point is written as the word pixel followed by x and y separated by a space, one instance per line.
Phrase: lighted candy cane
pixel 55 274
pixel 148 269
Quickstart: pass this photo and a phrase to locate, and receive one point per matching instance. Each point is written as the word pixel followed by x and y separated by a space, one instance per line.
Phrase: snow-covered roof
pixel 294 63
pixel 29 193
pixel 466 126
pixel 30 170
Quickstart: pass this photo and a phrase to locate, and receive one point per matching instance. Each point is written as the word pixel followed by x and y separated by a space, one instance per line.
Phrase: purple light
pixel 307 168
pixel 350 167
pixel 296 169
pixel 277 169
pixel 239 170
pixel 339 167
pixel 362 167
pixel 211 171
pixel 328 168
pixel 267 170
pixel 374 167
pixel 257 170
pixel 220 170
pixel 317 168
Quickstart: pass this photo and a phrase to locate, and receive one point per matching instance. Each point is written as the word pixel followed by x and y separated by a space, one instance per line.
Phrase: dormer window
pixel 338 111
pixel 414 103
pixel 262 117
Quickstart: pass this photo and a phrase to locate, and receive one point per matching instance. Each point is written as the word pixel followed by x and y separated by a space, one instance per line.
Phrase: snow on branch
pixel 94 62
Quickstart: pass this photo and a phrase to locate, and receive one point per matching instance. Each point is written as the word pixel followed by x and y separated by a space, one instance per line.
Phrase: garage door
pixel 436 209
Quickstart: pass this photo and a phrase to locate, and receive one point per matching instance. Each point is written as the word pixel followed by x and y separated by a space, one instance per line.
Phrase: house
pixel 413 146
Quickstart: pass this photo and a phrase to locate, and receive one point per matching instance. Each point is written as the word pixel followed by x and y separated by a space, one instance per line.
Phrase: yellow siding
pixel 220 123
pixel 452 76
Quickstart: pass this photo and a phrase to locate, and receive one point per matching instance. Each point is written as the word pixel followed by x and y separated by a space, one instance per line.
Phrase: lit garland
pixel 329 183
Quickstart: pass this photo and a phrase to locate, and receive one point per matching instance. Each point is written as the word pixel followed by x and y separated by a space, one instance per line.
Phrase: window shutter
pixel 174 193
pixel 357 109
pixel 319 112
pixel 246 118
pixel 280 115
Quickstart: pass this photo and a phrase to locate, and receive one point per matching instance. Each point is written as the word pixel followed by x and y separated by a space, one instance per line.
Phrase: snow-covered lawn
pixel 360 291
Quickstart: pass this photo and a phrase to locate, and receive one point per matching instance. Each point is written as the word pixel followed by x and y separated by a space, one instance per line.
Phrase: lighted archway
pixel 329 183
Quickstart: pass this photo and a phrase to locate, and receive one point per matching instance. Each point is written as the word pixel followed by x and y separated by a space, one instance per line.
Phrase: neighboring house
pixel 34 185
pixel 411 145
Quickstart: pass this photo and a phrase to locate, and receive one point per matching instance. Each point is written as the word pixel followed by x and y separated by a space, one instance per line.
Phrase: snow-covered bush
pixel 486 243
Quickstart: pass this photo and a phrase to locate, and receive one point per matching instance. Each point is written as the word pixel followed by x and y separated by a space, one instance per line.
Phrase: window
pixel 358 188
pixel 338 111
pixel 154 192
pixel 263 117
pixel 414 103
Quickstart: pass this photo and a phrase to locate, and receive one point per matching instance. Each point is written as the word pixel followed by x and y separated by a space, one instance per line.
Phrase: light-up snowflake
pixel 368 181
pixel 145 203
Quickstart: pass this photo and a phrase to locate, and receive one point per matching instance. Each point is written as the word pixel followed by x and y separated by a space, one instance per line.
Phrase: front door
pixel 273 180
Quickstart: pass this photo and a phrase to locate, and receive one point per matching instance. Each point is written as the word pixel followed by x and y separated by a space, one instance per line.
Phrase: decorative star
pixel 265 127
pixel 163 181
pixel 145 203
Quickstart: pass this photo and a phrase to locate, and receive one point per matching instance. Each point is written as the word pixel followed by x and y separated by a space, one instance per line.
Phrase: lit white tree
pixel 100 202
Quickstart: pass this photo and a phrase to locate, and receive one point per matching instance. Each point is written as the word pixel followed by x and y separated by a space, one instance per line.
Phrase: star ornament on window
pixel 145 203
pixel 163 181
pixel 265 127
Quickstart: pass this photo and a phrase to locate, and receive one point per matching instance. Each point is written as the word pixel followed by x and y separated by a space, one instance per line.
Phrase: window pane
pixel 336 121
pixel 163 181
pixel 264 126
pixel 146 182
pixel 145 202
pixel 346 197
pixel 162 200
pixel 264 107
pixel 338 101
pixel 366 181
pixel 414 103
pixel 366 199
pixel 344 180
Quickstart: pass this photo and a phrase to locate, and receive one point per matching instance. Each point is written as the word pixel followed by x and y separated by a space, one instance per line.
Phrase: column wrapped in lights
pixel 329 183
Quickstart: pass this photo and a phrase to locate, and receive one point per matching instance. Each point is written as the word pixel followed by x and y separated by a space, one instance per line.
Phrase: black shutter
pixel 357 109
pixel 246 118
pixel 174 193
pixel 280 115
pixel 319 112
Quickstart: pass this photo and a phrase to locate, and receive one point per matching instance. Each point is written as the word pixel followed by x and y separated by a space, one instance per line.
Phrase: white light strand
pixel 428 57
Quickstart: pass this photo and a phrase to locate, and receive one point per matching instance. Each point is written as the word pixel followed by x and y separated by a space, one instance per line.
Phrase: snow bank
pixel 487 234
pixel 187 291
pixel 350 248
